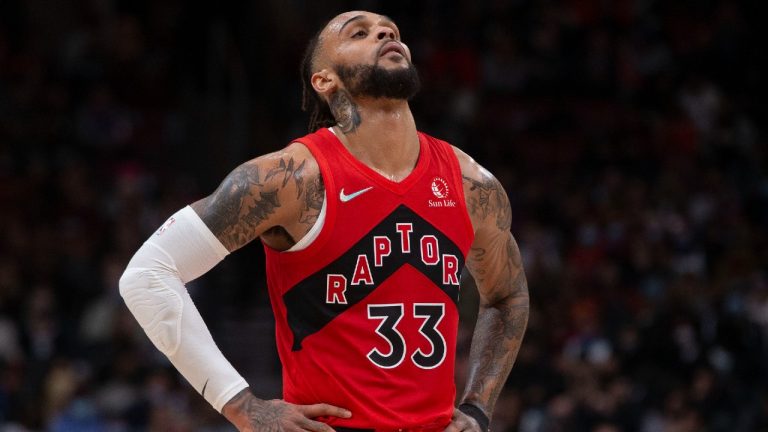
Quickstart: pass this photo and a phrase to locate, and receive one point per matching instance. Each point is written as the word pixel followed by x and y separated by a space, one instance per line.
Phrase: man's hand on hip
pixel 250 414
pixel 462 423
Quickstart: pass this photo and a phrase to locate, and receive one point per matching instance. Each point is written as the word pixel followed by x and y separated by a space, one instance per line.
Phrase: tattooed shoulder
pixel 487 202
pixel 256 197
pixel 486 198
pixel 223 210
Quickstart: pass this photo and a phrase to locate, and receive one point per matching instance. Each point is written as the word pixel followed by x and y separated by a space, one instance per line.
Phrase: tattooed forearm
pixel 255 413
pixel 501 322
pixel 486 197
pixel 345 111
pixel 498 334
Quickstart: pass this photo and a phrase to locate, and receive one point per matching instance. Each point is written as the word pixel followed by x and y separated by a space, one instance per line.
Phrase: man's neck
pixel 379 133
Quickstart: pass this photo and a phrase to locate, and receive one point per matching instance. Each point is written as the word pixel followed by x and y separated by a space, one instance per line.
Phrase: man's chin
pixel 384 80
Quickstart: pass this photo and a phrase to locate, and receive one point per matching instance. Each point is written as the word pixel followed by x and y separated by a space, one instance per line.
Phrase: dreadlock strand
pixel 320 114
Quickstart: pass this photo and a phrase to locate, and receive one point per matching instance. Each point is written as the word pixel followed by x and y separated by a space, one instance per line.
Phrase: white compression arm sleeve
pixel 153 289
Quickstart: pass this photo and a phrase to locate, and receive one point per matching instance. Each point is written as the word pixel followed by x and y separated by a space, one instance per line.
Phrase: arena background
pixel 629 135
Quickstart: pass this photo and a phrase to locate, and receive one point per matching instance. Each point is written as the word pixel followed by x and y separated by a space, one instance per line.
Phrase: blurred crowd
pixel 628 134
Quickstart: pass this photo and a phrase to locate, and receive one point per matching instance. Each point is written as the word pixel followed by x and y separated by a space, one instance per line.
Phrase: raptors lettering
pixel 402 238
pixel 429 250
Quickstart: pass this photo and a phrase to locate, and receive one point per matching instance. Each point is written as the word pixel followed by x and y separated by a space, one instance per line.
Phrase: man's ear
pixel 325 82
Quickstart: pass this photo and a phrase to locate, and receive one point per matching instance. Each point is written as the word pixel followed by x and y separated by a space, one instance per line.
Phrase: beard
pixel 376 82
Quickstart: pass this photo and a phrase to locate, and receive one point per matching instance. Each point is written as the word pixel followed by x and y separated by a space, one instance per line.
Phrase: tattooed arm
pixel 276 197
pixel 494 262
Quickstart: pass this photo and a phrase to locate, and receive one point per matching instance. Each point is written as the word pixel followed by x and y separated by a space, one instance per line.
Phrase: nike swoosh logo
pixel 353 195
pixel 204 386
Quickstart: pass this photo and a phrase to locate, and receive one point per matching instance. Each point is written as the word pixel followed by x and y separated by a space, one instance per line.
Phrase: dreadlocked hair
pixel 320 114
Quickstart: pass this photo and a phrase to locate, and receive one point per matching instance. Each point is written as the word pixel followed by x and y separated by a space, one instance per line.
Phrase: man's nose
pixel 386 33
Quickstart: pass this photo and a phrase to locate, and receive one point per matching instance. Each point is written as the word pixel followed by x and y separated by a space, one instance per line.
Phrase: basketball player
pixel 366 223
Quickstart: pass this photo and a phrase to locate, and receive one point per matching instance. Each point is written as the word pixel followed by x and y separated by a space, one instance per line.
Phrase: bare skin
pixel 277 197
pixel 381 133
pixel 496 265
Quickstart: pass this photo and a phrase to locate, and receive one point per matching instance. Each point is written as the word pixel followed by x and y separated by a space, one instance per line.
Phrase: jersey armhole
pixel 313 232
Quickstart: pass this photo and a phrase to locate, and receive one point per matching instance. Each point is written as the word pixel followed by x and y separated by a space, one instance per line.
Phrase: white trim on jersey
pixel 313 232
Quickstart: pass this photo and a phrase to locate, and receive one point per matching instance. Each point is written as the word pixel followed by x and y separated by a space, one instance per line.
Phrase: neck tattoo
pixel 345 111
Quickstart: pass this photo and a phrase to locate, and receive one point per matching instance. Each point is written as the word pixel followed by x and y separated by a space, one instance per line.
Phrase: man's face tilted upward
pixel 365 51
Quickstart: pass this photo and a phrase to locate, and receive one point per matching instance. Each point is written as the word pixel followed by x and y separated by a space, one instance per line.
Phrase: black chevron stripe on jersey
pixel 306 306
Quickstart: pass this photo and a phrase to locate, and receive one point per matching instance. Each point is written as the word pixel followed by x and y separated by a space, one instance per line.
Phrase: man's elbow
pixel 156 306
pixel 517 300
pixel 130 280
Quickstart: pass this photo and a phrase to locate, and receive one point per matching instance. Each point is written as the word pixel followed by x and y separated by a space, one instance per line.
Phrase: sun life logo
pixel 440 191
pixel 439 187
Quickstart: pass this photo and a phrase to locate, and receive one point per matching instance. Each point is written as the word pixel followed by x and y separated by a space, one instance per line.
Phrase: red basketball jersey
pixel 366 315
